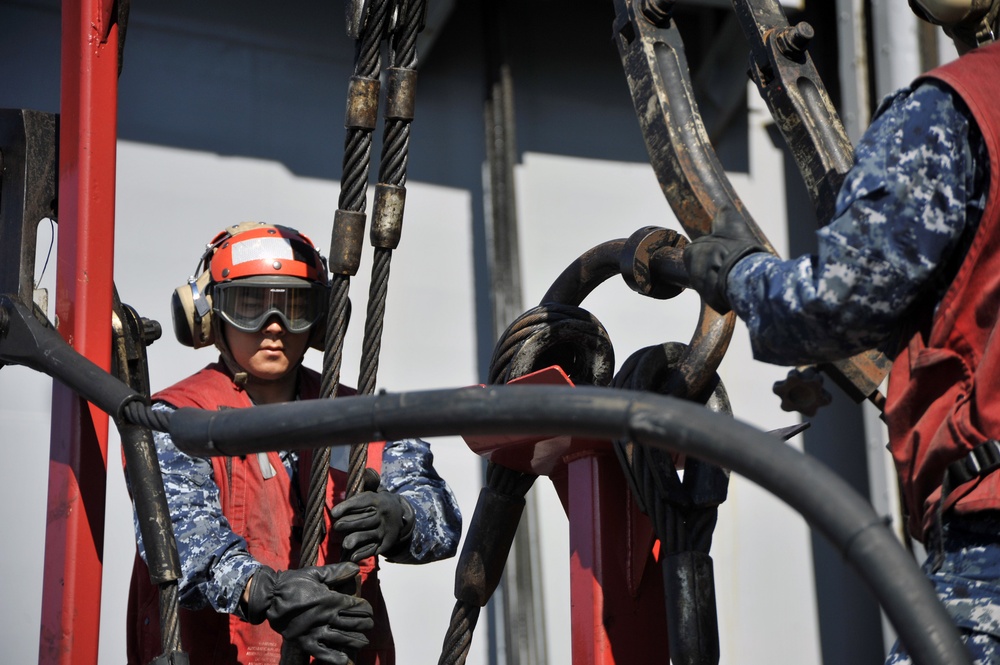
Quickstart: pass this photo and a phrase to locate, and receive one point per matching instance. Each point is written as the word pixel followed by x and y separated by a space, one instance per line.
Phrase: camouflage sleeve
pixel 408 470
pixel 215 564
pixel 904 212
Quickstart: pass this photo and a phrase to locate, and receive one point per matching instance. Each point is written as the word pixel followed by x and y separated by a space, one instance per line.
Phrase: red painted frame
pixel 74 535
pixel 617 608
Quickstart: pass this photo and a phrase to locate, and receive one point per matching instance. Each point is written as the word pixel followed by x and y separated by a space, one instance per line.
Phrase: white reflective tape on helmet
pixel 255 249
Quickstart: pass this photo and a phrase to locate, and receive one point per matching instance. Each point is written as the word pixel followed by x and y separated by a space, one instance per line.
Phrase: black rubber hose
pixel 25 341
pixel 827 502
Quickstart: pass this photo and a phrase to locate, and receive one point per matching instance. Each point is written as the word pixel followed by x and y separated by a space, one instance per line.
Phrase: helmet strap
pixel 240 375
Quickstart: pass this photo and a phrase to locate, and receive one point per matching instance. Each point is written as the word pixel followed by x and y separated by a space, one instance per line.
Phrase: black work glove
pixel 314 608
pixel 374 523
pixel 709 259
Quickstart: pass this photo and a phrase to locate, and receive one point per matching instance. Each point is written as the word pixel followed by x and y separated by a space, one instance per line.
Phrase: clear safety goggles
pixel 250 307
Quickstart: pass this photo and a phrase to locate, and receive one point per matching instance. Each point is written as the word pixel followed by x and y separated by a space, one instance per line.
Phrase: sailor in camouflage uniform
pixel 238 521
pixel 908 265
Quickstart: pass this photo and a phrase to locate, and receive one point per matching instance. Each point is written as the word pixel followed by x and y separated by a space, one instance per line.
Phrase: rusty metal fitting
pixel 387 216
pixel 794 40
pixel 400 93
pixel 637 255
pixel 487 546
pixel 802 391
pixel 345 245
pixel 362 103
pixel 657 12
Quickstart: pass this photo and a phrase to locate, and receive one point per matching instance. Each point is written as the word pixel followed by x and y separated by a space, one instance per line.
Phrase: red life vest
pixel 944 389
pixel 266 513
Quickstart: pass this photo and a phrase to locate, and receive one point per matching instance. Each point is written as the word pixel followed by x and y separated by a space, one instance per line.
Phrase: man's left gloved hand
pixel 374 523
pixel 314 608
pixel 709 259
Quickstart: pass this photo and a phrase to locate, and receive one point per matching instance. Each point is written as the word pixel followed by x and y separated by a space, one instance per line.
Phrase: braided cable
pixel 504 481
pixel 374 322
pixel 404 44
pixel 395 152
pixel 522 329
pixel 508 481
pixel 680 523
pixel 392 171
pixel 358 143
pixel 367 56
pixel 353 190
pixel 396 137
pixel 170 623
pixel 138 413
pixel 357 161
pixel 458 640
pixel 554 334
pixel 649 484
pixel 336 330
pixel 312 526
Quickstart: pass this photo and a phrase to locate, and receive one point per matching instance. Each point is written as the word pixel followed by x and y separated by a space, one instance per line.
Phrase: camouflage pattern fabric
pixel 968 584
pixel 408 470
pixel 215 564
pixel 904 218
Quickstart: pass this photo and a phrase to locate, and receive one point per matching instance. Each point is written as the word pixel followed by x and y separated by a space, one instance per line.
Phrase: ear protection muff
pixel 191 310
pixel 191 304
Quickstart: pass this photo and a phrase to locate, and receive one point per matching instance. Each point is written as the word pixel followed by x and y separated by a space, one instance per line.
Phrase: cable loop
pixel 683 512
pixel 554 334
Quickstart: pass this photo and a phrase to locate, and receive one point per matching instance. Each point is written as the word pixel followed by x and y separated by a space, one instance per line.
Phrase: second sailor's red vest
pixel 266 509
pixel 944 389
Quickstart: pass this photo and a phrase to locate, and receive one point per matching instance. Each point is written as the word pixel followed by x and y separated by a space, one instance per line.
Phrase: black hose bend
pixel 825 500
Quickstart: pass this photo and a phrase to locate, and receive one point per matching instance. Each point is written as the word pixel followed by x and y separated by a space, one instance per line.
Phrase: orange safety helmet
pixel 251 272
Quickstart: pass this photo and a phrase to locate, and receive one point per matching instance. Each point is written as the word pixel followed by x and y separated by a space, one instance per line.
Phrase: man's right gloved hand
pixel 709 259
pixel 314 608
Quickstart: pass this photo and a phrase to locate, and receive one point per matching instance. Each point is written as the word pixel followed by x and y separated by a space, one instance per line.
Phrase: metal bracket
pixel 28 167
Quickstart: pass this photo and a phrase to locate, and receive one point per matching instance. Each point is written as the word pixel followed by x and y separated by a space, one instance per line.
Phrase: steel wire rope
pixel 139 413
pixel 353 190
pixel 392 180
pixel 170 620
pixel 683 513
pixel 552 333
pixel 656 480
pixel 354 187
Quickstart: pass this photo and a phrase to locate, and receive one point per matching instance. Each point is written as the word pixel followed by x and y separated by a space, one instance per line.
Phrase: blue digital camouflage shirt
pixel 904 218
pixel 215 564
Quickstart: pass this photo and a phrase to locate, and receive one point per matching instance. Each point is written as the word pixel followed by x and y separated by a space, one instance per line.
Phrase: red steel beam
pixel 74 535
pixel 616 589
pixel 617 608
